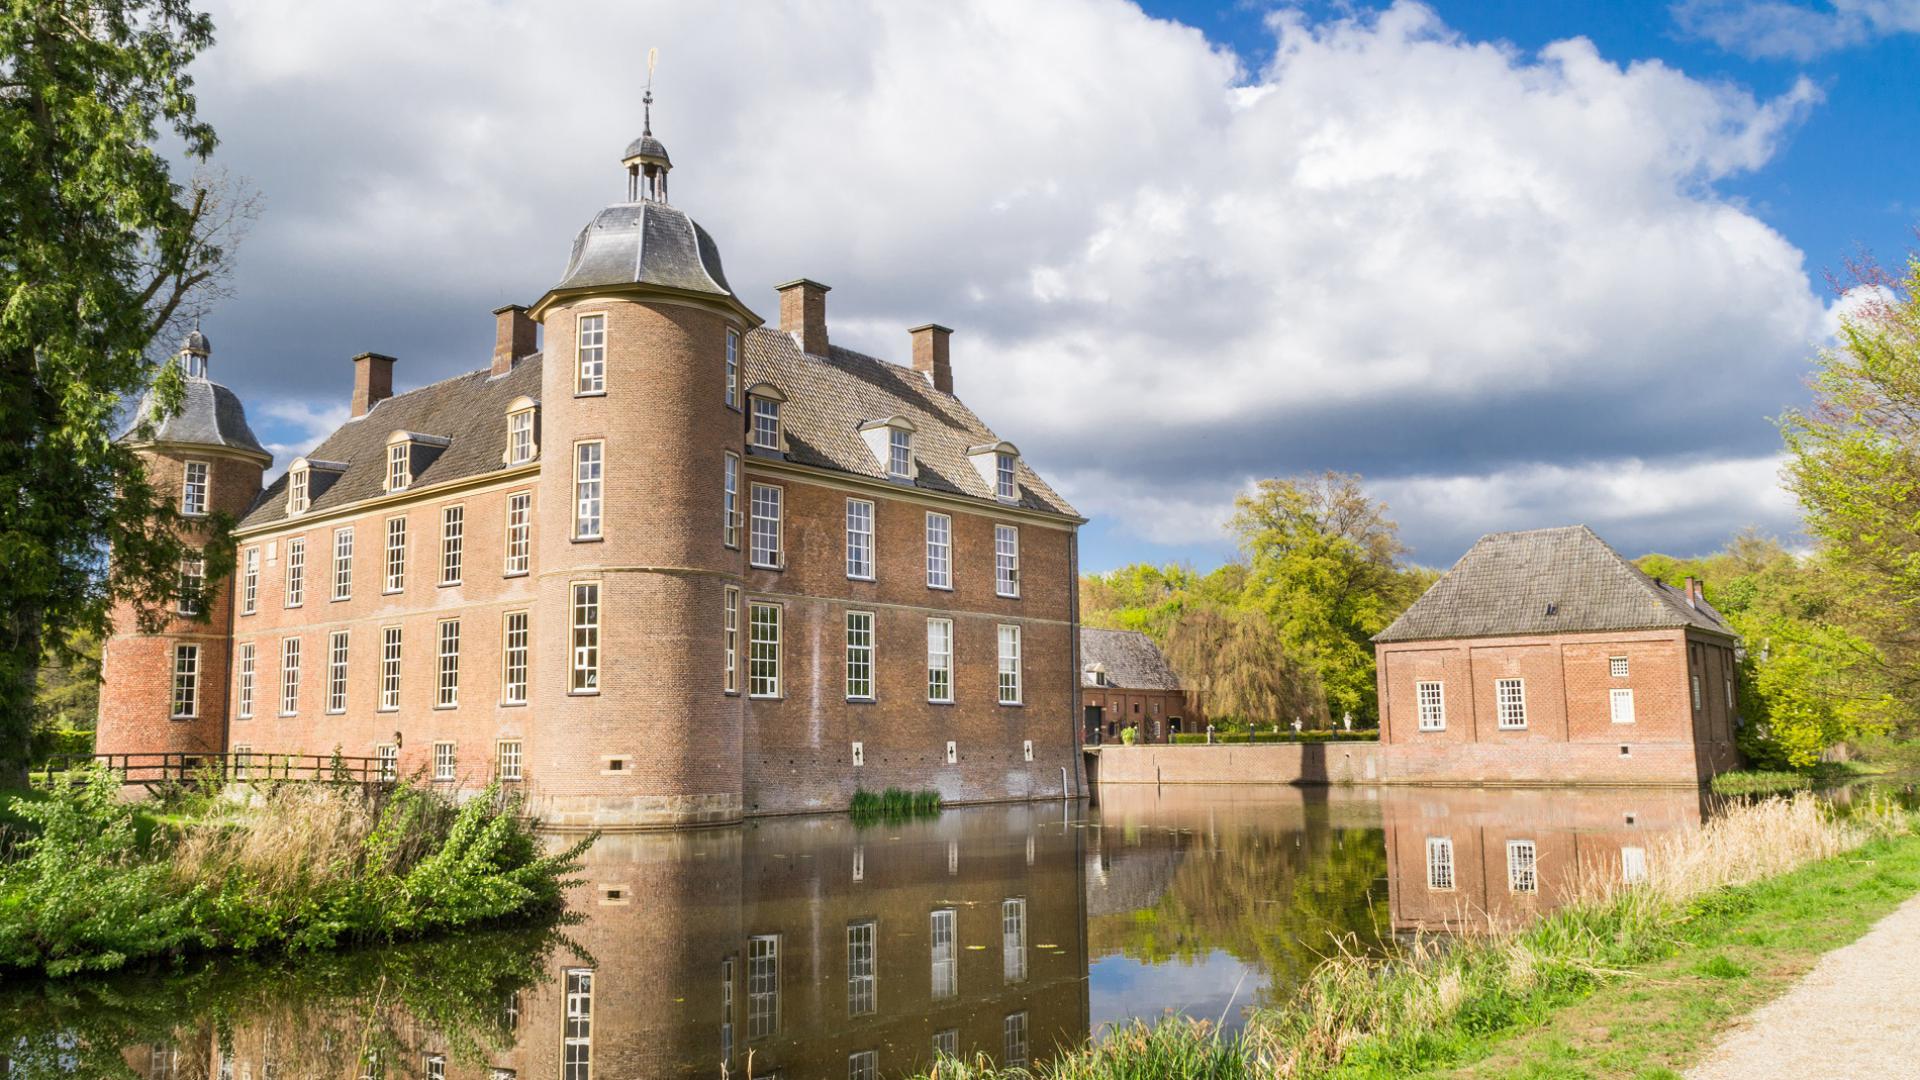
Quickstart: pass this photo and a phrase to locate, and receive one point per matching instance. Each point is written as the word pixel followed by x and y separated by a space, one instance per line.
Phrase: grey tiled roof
pixel 647 243
pixel 829 397
pixel 1546 581
pixel 1131 660
pixel 210 415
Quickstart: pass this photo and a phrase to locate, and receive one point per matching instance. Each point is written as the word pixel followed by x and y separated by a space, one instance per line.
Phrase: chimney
pixel 803 313
pixel 513 337
pixel 1696 592
pixel 930 355
pixel 372 381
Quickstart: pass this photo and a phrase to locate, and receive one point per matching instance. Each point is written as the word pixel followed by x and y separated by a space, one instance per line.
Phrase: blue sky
pixel 1517 264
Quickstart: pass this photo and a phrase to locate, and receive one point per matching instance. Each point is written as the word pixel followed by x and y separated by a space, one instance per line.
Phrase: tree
pixel 1232 661
pixel 101 251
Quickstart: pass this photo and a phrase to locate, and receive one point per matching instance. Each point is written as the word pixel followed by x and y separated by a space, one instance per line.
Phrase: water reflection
pixel 807 947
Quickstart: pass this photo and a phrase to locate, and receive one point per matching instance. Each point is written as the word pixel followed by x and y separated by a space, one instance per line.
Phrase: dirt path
pixel 1855 1015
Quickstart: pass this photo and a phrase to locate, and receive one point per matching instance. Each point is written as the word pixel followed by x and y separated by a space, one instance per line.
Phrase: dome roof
pixel 210 415
pixel 646 243
pixel 195 341
pixel 646 146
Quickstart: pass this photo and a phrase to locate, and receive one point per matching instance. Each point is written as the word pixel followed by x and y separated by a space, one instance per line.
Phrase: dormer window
pixel 399 466
pixel 1004 486
pixel 521 447
pixel 999 467
pixel 297 480
pixel 891 440
pixel 899 453
pixel 765 433
pixel 409 453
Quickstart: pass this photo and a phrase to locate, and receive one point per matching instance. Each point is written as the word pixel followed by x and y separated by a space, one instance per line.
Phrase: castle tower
pixel 638 418
pixel 167 691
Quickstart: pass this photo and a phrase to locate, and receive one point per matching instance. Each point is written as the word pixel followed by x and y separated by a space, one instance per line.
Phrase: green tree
pixel 101 251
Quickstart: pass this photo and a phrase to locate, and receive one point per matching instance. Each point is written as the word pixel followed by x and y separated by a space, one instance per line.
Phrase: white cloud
pixel 305 423
pixel 1774 28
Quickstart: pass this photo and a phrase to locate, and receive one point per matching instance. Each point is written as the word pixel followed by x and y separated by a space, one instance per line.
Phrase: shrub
pixel 1129 735
pixel 893 806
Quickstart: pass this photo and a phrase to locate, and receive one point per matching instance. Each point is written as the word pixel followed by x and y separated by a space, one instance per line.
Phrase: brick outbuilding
pixel 1125 682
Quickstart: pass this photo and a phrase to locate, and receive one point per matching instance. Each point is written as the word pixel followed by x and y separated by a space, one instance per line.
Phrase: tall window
pixel 193 489
pixel 513 659
pixel 763 985
pixel 289 676
pixel 443 761
pixel 730 522
pixel 1696 693
pixel 343 563
pixel 946 975
pixel 939 551
pixel 519 533
pixel 862 968
pixel 576 1031
pixel 1013 1041
pixel 1006 560
pixel 940 660
pixel 585 678
pixel 390 642
pixel 250 581
pixel 245 693
pixel 396 555
pixel 860 539
pixel 387 756
pixel 591 351
pixel 863 1065
pixel 763 650
pixel 1004 485
pixel 193 583
pixel 296 571
pixel 733 367
pixel 520 437
pixel 507 759
pixel 1013 940
pixel 1432 699
pixel 766 423
pixel 297 501
pixel 1520 866
pixel 766 527
pixel 588 468
pixel 453 533
pixel 399 466
pixel 1439 862
pixel 1620 702
pixel 337 671
pixel 860 655
pixel 1009 665
pixel 1510 698
pixel 730 633
pixel 448 694
pixel 899 453
pixel 186 681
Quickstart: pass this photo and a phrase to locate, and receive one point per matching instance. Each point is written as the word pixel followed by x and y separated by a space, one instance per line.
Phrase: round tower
pixel 167 691
pixel 636 728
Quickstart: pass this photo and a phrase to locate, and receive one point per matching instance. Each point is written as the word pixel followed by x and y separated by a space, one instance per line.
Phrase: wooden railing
pixel 157 769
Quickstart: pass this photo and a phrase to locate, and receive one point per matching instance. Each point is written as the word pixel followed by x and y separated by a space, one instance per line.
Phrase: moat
pixel 811 948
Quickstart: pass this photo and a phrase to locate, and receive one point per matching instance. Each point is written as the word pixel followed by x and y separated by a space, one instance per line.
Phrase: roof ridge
pixel 410 393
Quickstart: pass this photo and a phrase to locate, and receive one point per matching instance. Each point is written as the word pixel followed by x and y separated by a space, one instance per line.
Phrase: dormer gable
pixel 891 440
pixel 308 479
pixel 998 464
pixel 523 431
pixel 408 455
pixel 766 433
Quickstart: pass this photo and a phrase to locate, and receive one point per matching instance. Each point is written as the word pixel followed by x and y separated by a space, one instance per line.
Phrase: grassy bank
pixel 298 867
pixel 1774 866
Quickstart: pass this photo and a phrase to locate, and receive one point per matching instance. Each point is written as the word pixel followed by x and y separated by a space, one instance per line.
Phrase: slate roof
pixel 1546 581
pixel 646 243
pixel 210 415
pixel 829 397
pixel 1131 660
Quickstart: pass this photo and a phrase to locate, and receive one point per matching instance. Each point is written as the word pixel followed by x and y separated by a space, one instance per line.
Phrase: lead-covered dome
pixel 210 414
pixel 646 243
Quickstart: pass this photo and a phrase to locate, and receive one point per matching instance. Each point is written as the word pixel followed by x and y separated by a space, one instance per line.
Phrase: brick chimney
pixel 372 381
pixel 930 355
pixel 513 337
pixel 803 313
pixel 1696 591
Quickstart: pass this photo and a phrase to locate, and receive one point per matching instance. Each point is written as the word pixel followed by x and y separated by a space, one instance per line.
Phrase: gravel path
pixel 1856 1014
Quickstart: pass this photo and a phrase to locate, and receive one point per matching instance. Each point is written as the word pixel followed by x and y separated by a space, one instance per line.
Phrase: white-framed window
pixel 290 676
pixel 519 545
pixel 860 656
pixel 590 355
pixel 862 968
pixel 390 642
pixel 1010 665
pixel 733 367
pixel 1633 865
pixel 766 423
pixel 1013 1041
pixel 193 585
pixel 245 693
pixel 1005 483
pixel 337 671
pixel 730 643
pixel 944 954
pixel 396 555
pixel 1439 863
pixel 520 448
pixel 1617 666
pixel 939 551
pixel 946 1043
pixel 900 453
pixel 860 539
pixel 399 465
pixel 507 759
pixel 1013 940
pixel 388 757
pixel 447 695
pixel 763 650
pixel 250 581
pixel 242 765
pixel 1621 703
pixel 193 489
pixel 585 671
pixel 443 761
pixel 436 1067
pixel 576 1031
pixel 1696 693
pixel 297 501
pixel 453 539
pixel 940 660
pixel 514 634
pixel 343 563
pixel 763 985
pixel 186 681
pixel 1510 701
pixel 1521 865
pixel 726 1009
pixel 296 571
pixel 765 551
pixel 589 469
pixel 1006 561
pixel 863 1065
pixel 1431 696
pixel 730 522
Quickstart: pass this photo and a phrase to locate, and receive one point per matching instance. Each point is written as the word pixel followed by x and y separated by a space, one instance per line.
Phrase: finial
pixel 646 99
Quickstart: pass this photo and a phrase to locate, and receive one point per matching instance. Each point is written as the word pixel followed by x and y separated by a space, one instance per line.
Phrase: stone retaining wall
pixel 1255 763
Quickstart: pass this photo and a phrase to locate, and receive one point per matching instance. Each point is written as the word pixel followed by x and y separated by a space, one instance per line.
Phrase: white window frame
pixel 193 584
pixel 583 671
pixel 250 581
pixel 248 665
pixel 766 423
pixel 392 651
pixel 939 551
pixel 943 953
pixel 296 576
pixel 768 526
pixel 1617 667
pixel 590 354
pixel 940 661
pixel 519 542
pixel 859 656
pixel 763 649
pixel 445 762
pixel 1510 703
pixel 1440 869
pixel 730 508
pixel 1523 866
pixel 1013 1039
pixel 589 486
pixel 860 548
pixel 399 465
pixel 521 449
pixel 509 761
pixel 899 453
pixel 763 986
pixel 1633 865
pixel 730 642
pixel 298 484
pixel 290 676
pixel 1013 940
pixel 1006 483
pixel 1430 698
pixel 387 757
pixel 516 654
pixel 195 485
pixel 343 563
pixel 185 704
pixel 1006 561
pixel 453 544
pixel 447 683
pixel 863 967
pixel 338 644
pixel 396 576
pixel 1012 682
pixel 733 368
pixel 1620 704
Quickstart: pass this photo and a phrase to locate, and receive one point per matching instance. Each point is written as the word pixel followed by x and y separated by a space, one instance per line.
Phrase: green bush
pixel 1129 735
pixel 893 806
pixel 1187 738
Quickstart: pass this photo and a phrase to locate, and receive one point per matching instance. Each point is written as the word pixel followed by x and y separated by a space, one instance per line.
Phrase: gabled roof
pixel 1130 659
pixel 1546 581
pixel 829 397
pixel 210 415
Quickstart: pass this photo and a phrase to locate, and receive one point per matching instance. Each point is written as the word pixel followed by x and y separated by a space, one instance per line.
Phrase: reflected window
pixel 1521 876
pixel 576 1031
pixel 763 986
pixel 1013 940
pixel 726 1009
pixel 861 968
pixel 863 1065
pixel 1439 862
pixel 1633 865
pixel 946 1043
pixel 1014 1041
pixel 436 1067
pixel 946 975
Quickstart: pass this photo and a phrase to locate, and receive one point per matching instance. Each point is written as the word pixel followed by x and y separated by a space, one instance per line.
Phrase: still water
pixel 811 948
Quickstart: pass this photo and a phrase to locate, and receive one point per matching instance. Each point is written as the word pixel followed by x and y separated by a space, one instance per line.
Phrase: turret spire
pixel 195 351
pixel 646 158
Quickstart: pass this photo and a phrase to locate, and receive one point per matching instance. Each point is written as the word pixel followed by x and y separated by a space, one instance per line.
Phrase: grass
pixel 1781 781
pixel 893 806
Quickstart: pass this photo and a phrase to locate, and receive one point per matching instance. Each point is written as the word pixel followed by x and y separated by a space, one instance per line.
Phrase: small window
pixel 1432 699
pixel 1617 666
pixel 453 537
pixel 296 571
pixel 860 539
pixel 766 423
pixel 514 636
pixel 396 555
pixel 337 671
pixel 733 368
pixel 1439 863
pixel 507 761
pixel 387 757
pixel 1621 702
pixel 899 453
pixel 862 1064
pixel 193 489
pixel 940 660
pixel 186 681
pixel 1510 699
pixel 1521 877
pixel 588 476
pixel 591 355
pixel 520 446
pixel 443 762
pixel 1009 666
pixel 399 466
pixel 730 634
pixel 290 676
pixel 730 524
pixel 939 551
pixel 585 677
pixel 436 1067
pixel 448 692
pixel 860 656
pixel 193 584
pixel 343 563
pixel 1005 485
pixel 766 527
pixel 390 669
pixel 763 650
pixel 250 582
pixel 297 500
pixel 1006 561
pixel 1633 865
pixel 946 1043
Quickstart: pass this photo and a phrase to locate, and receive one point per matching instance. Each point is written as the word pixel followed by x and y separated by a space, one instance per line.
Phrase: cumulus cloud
pixel 1392 249
pixel 1776 29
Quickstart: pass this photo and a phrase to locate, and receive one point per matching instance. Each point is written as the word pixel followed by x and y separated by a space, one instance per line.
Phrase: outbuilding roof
pixel 1128 658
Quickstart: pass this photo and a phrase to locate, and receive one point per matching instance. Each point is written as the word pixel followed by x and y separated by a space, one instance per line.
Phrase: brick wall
pixel 1151 712
pixel 1253 763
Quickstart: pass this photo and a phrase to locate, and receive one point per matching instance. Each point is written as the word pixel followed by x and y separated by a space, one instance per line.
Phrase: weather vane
pixel 646 100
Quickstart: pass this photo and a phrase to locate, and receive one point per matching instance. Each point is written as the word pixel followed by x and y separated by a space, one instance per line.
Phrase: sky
pixel 1516 263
